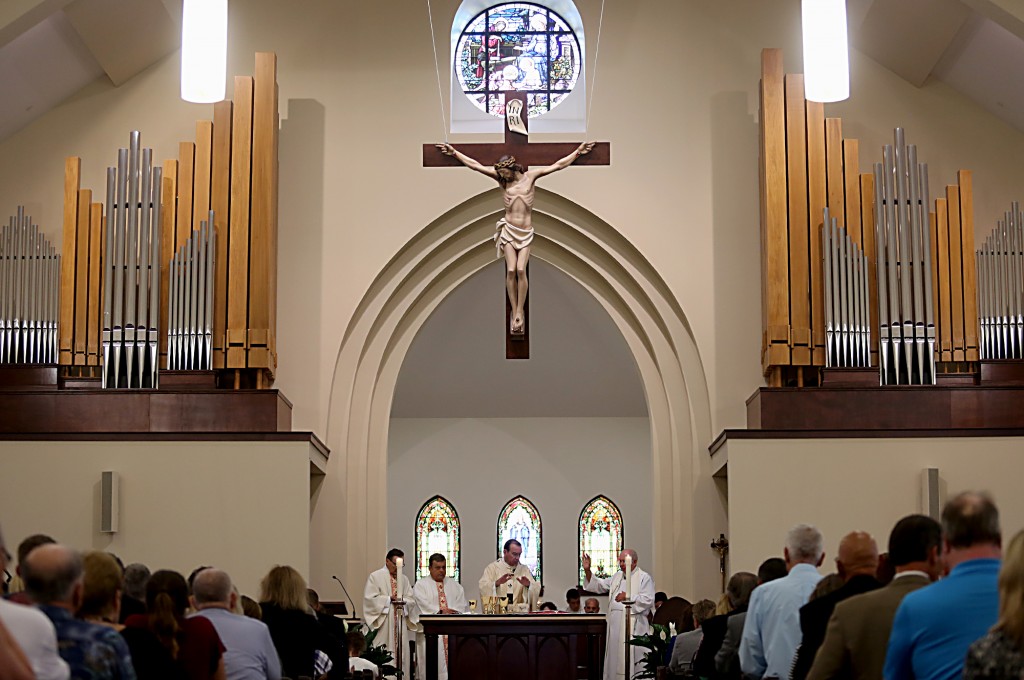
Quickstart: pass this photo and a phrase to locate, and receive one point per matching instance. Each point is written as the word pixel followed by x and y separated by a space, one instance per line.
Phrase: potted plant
pixel 656 643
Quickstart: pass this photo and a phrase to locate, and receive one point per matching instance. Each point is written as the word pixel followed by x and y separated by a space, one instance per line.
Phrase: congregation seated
pixel 715 629
pixel 548 607
pixel 677 611
pixel 592 606
pixel 356 646
pixel 16 588
pixel 133 590
pixel 572 601
pixel 296 633
pixel 188 647
pixel 1000 654
pixel 249 652
pixel 53 576
pixel 686 644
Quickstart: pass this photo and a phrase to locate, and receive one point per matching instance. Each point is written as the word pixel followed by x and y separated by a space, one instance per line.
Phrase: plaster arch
pixel 349 513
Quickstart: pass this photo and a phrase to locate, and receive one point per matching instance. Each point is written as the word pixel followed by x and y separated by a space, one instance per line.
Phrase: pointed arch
pixel 602 534
pixel 353 494
pixel 438 530
pixel 520 520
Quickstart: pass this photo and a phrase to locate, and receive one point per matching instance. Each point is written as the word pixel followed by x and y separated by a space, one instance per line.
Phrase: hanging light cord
pixel 437 70
pixel 593 80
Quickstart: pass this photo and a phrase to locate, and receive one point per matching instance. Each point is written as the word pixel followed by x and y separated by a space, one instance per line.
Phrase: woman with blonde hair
pixel 1000 654
pixel 295 631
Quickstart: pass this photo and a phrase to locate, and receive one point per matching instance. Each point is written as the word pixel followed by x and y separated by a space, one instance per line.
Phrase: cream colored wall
pixel 843 485
pixel 182 504
pixel 676 94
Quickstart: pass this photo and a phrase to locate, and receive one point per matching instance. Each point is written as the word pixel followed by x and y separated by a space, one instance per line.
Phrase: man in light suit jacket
pixel 858 631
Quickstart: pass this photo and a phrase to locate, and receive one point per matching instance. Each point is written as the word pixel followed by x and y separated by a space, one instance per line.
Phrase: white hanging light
pixel 204 50
pixel 826 55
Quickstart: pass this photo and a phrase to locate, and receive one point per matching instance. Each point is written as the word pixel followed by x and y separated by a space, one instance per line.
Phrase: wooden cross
pixel 517 144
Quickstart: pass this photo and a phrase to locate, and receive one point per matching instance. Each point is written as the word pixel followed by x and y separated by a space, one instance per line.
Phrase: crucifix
pixel 511 161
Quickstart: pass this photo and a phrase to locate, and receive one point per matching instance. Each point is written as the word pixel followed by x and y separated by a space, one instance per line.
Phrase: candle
pixel 398 574
pixel 629 576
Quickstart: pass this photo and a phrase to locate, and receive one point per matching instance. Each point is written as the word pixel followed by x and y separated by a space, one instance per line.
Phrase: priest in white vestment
pixel 643 601
pixel 508 575
pixel 383 588
pixel 437 594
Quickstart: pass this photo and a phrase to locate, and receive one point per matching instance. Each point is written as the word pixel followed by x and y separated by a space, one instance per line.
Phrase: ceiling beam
pixel 125 37
pixel 1007 13
pixel 17 16
pixel 910 36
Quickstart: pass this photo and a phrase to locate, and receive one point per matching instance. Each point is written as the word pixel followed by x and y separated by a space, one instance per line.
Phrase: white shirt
pixel 36 636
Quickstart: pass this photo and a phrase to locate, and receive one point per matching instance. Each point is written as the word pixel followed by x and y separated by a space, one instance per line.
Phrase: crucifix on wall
pixel 511 169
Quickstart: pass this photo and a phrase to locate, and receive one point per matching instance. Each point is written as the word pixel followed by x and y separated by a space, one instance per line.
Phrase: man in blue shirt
pixel 249 651
pixel 935 625
pixel 53 579
pixel 771 632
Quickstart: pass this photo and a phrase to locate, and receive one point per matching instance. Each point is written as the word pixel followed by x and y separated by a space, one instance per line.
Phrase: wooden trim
pixel 834 175
pixel 776 241
pixel 817 193
pixel 168 219
pixel 238 265
pixel 221 202
pixel 956 286
pixel 263 222
pixel 95 323
pixel 970 281
pixel 82 278
pixel 944 317
pixel 731 434
pixel 72 184
pixel 186 173
pixel 800 256
pixel 851 190
pixel 201 172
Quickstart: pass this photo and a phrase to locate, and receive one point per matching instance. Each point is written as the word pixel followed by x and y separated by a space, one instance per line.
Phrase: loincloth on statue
pixel 517 237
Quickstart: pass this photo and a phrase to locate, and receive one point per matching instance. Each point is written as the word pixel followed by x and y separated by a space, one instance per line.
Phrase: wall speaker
pixel 110 492
pixel 930 493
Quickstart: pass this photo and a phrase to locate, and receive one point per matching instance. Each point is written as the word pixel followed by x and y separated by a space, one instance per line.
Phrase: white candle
pixel 629 576
pixel 398 574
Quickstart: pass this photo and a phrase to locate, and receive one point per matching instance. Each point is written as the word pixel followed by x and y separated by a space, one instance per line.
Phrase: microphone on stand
pixel 355 615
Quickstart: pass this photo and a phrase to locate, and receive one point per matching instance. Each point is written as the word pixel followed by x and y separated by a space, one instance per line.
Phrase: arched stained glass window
pixel 520 520
pixel 517 46
pixel 437 531
pixel 601 536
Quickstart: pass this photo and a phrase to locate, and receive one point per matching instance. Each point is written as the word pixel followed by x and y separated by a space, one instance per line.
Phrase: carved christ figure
pixel 514 232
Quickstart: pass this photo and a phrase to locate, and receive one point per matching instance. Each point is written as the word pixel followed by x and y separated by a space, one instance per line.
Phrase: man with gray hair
pixel 771 632
pixel 935 625
pixel 249 651
pixel 641 587
pixel 133 591
pixel 53 577
pixel 34 634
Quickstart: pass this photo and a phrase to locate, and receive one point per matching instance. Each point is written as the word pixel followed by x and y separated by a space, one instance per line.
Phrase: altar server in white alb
pixel 642 592
pixel 437 594
pixel 383 588
pixel 507 575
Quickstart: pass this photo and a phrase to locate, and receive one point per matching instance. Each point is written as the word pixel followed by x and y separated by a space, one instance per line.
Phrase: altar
pixel 540 646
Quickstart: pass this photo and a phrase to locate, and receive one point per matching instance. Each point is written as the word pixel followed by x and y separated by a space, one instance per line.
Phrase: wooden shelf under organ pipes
pixel 190 303
pixel 29 293
pixel 131 272
pixel 805 165
pixel 1000 266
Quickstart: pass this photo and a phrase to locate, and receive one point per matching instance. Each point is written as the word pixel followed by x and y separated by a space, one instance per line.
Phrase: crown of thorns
pixel 507 163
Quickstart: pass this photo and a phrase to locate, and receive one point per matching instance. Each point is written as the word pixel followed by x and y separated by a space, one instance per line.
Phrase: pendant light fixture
pixel 204 50
pixel 826 53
